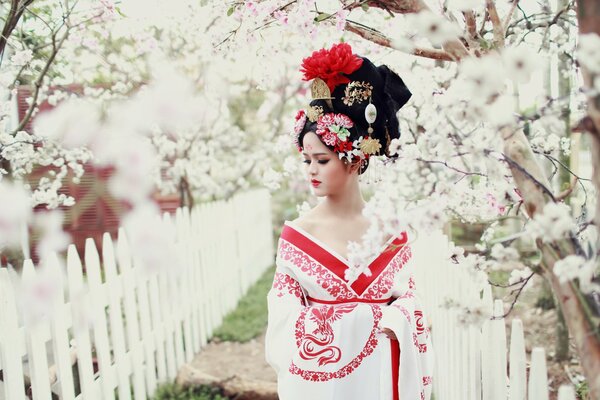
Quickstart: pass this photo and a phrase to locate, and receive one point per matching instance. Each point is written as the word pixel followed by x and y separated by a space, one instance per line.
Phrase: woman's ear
pixel 354 166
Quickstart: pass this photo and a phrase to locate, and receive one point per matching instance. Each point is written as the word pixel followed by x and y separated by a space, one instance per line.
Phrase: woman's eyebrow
pixel 316 154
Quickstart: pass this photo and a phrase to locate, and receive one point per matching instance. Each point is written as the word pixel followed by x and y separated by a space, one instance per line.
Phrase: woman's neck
pixel 346 204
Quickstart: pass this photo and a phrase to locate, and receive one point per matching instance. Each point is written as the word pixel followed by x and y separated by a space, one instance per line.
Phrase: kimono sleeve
pixel 285 301
pixel 405 317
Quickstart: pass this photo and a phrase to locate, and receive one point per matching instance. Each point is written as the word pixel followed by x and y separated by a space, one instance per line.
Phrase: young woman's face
pixel 326 172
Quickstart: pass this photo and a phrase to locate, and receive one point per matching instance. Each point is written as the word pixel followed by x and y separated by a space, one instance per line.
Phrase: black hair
pixel 388 94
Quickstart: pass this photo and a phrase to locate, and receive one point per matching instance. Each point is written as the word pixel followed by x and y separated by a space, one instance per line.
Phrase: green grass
pixel 582 391
pixel 172 391
pixel 249 319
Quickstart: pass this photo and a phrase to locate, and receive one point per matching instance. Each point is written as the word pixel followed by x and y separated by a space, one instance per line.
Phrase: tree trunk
pixel 572 306
pixel 588 15
pixel 535 190
pixel 564 176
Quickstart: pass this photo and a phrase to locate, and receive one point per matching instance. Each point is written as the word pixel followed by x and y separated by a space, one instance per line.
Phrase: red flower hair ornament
pixel 329 65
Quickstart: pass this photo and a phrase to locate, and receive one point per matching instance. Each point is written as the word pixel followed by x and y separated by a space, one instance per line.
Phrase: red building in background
pixel 95 210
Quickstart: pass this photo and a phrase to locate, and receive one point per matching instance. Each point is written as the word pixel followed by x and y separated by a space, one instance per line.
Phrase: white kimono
pixel 324 336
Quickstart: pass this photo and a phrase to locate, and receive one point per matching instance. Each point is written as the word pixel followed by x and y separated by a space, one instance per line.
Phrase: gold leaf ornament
pixel 320 91
pixel 314 112
pixel 357 92
pixel 370 146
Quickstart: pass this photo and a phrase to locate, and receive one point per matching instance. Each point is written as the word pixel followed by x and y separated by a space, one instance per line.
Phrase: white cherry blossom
pixel 433 27
pixel 587 52
pixel 15 212
pixel 552 223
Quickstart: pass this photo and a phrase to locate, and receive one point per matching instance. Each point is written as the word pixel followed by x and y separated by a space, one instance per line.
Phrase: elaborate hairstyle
pixel 354 103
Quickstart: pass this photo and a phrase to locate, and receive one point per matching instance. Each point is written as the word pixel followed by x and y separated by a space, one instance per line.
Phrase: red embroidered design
pixel 325 278
pixel 285 283
pixel 419 321
pixel 427 380
pixel 421 346
pixel 404 311
pixel 323 336
pixel 407 295
pixel 411 283
pixel 320 376
pixel 385 280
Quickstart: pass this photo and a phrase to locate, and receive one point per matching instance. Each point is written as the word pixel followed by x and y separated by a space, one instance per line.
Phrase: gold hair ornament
pixel 314 112
pixel 357 92
pixel 320 91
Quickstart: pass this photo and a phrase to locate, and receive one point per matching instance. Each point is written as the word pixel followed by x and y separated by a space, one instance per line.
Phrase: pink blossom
pixel 251 7
pixel 340 19
pixel 494 203
pixel 281 16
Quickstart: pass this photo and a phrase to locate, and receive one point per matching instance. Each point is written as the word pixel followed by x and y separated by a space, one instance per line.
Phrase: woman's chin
pixel 318 192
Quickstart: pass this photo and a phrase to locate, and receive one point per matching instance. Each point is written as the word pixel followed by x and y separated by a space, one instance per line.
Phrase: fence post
pixel 136 350
pixel 518 373
pixel 60 338
pixel 78 298
pixel 98 304
pixel 538 376
pixel 36 345
pixel 10 341
pixel 566 392
pixel 114 284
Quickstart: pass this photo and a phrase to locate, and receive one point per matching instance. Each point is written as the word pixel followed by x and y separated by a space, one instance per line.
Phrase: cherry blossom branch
pixel 378 38
pixel 38 82
pixel 517 295
pixel 445 163
pixel 583 226
pixel 486 16
pixel 510 284
pixel 525 172
pixel 471 24
pixel 509 16
pixel 544 20
pixel 496 23
pixel 56 46
pixel 18 142
pixel 11 21
pixel 554 159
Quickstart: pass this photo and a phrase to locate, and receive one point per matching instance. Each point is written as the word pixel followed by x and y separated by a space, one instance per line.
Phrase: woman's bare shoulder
pixel 308 221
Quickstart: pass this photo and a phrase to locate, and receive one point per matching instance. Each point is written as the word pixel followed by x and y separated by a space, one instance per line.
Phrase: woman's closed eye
pixel 319 161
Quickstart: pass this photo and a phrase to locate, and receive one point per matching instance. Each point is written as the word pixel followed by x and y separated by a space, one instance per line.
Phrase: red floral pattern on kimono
pixel 324 335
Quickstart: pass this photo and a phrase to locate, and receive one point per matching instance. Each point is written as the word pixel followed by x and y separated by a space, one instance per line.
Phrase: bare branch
pixel 567 192
pixel 518 293
pixel 445 163
pixel 382 40
pixel 509 16
pixel 471 24
pixel 496 23
pixel 513 164
pixel 11 21
pixel 38 83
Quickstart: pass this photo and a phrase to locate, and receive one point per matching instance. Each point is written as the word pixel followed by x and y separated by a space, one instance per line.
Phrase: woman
pixel 330 336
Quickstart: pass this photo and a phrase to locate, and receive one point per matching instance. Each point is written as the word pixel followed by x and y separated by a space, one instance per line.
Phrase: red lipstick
pixel 315 182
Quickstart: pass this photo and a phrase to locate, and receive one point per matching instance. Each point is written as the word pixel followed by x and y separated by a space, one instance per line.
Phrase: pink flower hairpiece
pixel 298 126
pixel 333 130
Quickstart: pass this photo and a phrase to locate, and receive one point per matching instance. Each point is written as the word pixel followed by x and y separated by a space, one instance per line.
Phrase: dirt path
pixel 227 359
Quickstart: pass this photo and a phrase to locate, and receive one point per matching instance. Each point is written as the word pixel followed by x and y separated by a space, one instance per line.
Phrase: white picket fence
pixel 471 362
pixel 143 325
